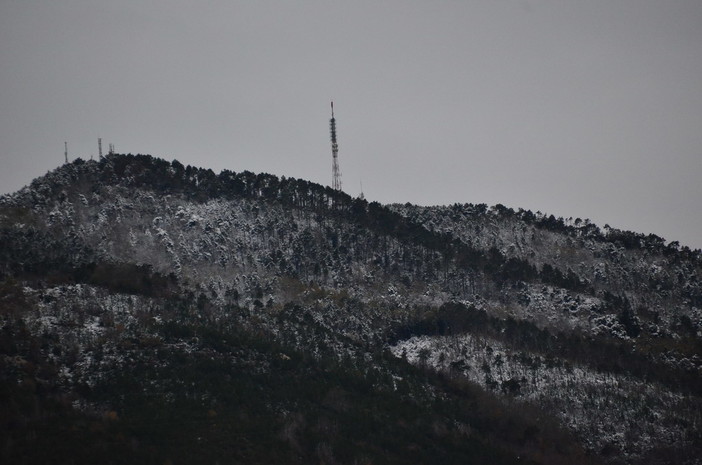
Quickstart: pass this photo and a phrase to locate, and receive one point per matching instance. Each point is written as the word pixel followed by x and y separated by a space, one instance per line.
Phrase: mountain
pixel 156 313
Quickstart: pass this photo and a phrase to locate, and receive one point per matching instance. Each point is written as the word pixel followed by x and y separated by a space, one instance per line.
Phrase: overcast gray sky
pixel 588 109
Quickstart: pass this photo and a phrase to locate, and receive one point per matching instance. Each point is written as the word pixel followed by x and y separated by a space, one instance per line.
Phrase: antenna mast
pixel 65 151
pixel 336 173
pixel 100 146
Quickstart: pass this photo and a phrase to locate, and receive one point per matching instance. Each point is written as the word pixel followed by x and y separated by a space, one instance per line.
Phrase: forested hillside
pixel 152 312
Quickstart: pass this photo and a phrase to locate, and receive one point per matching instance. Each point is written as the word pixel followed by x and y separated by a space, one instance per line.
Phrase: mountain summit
pixel 156 313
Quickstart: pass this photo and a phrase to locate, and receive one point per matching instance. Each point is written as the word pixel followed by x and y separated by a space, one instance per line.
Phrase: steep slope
pixel 162 310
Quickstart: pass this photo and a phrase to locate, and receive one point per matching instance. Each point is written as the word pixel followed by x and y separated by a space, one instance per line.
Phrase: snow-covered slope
pixel 136 262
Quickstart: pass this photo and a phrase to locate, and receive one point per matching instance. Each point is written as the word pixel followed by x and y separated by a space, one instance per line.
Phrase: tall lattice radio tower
pixel 336 173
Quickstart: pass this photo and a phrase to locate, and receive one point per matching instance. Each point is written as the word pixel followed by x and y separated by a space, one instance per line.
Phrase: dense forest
pixel 153 312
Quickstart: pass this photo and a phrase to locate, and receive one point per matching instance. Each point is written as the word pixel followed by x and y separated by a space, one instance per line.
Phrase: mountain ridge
pixel 575 317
